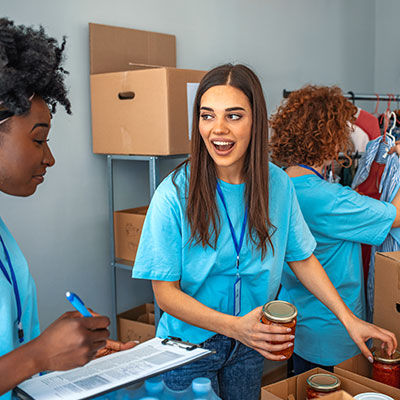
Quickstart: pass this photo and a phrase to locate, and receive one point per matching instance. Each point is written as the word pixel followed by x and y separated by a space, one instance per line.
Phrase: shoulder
pixel 277 176
pixel 172 191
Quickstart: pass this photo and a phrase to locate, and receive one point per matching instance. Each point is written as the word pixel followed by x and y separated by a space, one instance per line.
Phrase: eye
pixel 41 142
pixel 206 117
pixel 234 117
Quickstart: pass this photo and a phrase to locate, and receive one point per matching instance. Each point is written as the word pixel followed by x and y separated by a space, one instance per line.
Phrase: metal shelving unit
pixel 154 180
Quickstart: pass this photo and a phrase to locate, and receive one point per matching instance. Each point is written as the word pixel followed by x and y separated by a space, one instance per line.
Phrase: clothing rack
pixel 360 96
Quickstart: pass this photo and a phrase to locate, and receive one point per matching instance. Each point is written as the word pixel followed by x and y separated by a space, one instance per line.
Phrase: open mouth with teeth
pixel 223 145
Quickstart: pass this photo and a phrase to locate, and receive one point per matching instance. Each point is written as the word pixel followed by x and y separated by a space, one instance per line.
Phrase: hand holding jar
pixel 268 340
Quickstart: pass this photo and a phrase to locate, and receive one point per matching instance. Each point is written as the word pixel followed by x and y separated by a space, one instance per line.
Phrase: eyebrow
pixel 40 125
pixel 226 109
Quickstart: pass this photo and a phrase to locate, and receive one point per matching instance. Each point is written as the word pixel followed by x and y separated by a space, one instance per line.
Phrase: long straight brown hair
pixel 202 211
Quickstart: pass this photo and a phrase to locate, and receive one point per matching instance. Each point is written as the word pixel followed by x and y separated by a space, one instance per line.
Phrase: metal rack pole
pixel 154 178
pixel 360 96
pixel 110 184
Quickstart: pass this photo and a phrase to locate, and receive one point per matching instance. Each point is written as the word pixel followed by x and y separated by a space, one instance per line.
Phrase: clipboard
pixel 144 361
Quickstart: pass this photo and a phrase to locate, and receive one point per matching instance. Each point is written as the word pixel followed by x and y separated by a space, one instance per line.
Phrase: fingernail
pixel 290 345
pixel 370 359
pixel 288 330
pixel 136 341
pixel 291 337
pixel 283 358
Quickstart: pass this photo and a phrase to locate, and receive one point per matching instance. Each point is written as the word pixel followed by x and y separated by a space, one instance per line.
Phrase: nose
pixel 220 126
pixel 48 158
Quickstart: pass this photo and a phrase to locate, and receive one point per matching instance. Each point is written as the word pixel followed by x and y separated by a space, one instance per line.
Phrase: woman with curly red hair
pixel 309 131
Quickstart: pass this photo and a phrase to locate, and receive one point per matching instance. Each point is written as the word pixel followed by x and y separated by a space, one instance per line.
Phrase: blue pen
pixel 78 304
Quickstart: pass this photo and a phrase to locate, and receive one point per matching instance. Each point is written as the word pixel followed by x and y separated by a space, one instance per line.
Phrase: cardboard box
pixel 341 395
pixel 387 291
pixel 127 230
pixel 296 387
pixel 129 328
pixel 359 369
pixel 139 100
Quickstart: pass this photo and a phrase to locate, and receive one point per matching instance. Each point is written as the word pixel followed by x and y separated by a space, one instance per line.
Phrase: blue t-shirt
pixel 209 274
pixel 8 306
pixel 340 219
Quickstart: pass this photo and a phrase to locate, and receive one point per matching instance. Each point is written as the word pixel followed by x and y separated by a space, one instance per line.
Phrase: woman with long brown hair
pixel 216 236
pixel 309 130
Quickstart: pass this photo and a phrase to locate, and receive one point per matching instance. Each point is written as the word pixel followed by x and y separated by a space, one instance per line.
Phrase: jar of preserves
pixel 386 369
pixel 320 385
pixel 280 312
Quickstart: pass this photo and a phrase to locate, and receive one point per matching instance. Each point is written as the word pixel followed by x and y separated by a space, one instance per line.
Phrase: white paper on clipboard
pixel 111 372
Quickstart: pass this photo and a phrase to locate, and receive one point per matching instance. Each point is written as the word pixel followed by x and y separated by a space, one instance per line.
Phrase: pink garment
pixel 369 124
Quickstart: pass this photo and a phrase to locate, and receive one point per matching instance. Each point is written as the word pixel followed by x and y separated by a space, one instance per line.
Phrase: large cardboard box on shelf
pixel 295 387
pixel 137 323
pixel 359 369
pixel 140 101
pixel 127 230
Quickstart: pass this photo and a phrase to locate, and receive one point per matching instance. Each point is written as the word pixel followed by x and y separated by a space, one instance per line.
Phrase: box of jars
pixel 313 384
pixel 383 375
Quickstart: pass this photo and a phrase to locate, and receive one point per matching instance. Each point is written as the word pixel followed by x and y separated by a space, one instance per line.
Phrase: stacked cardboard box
pixel 127 230
pixel 140 101
pixel 137 323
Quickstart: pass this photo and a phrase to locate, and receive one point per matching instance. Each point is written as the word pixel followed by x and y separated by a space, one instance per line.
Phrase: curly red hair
pixel 311 126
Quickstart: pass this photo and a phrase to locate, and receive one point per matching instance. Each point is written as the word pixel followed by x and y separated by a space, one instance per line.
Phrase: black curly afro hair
pixel 30 64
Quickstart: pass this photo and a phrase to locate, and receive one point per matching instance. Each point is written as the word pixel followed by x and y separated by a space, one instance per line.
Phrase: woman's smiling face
pixel 225 126
pixel 24 152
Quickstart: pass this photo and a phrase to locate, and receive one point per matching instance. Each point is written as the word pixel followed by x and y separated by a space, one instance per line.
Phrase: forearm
pixel 314 278
pixel 17 366
pixel 175 302
pixel 396 203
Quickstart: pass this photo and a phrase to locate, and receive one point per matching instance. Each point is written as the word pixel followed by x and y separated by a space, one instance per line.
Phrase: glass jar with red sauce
pixel 280 312
pixel 320 385
pixel 386 369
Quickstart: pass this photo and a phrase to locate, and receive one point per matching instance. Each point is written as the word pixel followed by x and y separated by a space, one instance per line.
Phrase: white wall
pixel 387 55
pixel 63 228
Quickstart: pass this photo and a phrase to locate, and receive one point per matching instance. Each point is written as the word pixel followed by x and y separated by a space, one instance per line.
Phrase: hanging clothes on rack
pixel 378 176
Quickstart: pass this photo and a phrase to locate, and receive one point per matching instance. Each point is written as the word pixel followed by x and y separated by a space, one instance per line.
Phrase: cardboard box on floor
pixel 137 323
pixel 127 230
pixel 359 369
pixel 386 315
pixel 387 291
pixel 296 386
pixel 341 395
pixel 139 100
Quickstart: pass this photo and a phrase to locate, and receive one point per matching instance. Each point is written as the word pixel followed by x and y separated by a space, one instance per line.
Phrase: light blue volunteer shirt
pixel 340 219
pixel 8 306
pixel 206 274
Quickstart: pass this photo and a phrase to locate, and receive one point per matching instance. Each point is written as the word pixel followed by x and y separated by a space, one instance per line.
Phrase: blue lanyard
pixel 15 287
pixel 238 245
pixel 311 169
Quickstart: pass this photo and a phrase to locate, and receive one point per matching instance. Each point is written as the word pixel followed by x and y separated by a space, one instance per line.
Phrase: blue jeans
pixel 235 370
pixel 301 365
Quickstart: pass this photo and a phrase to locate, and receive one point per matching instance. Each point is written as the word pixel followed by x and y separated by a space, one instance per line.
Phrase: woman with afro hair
pixel 31 84
pixel 309 130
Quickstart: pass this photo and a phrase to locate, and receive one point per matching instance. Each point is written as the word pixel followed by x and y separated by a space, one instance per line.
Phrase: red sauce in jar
pixel 386 369
pixel 281 313
pixel 321 385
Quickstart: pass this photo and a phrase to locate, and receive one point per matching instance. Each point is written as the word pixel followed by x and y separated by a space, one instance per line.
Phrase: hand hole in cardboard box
pixel 126 95
pixel 398 307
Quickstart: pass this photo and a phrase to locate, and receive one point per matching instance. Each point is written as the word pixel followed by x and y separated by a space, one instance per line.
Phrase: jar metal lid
pixel 382 357
pixel 279 311
pixel 324 382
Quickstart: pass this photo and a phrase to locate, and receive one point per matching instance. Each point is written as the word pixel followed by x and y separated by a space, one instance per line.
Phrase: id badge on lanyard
pixel 237 286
